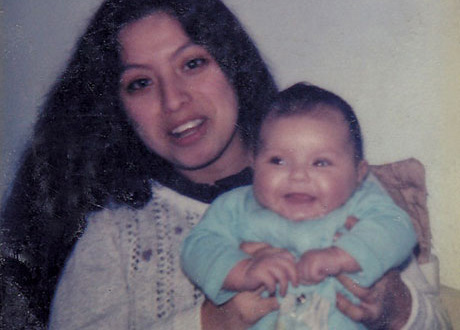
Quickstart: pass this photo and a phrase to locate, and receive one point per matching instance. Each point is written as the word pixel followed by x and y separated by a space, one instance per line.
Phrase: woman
pixel 150 122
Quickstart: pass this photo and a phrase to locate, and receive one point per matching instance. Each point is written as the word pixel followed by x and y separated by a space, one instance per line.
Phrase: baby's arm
pixel 383 237
pixel 315 265
pixel 266 268
pixel 212 250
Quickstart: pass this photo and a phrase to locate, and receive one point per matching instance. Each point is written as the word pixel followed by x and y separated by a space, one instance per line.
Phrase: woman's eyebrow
pixel 177 52
pixel 128 67
pixel 184 47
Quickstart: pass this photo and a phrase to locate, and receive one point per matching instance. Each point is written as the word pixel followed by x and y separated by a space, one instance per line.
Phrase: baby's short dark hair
pixel 303 98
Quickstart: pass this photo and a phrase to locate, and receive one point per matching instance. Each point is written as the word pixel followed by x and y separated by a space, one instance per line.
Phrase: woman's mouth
pixel 189 128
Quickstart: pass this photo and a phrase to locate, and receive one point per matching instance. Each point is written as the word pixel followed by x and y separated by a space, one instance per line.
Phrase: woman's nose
pixel 175 94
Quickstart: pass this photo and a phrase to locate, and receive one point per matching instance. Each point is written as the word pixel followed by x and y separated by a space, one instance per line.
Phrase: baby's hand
pixel 270 269
pixel 266 268
pixel 315 265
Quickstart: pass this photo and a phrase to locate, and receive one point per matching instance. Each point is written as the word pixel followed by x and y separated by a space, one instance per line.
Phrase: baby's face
pixel 305 167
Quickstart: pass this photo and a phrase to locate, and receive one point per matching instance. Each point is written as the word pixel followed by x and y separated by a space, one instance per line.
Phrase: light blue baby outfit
pixel 382 239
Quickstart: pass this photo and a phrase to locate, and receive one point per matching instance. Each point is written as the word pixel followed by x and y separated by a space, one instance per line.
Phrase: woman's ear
pixel 363 168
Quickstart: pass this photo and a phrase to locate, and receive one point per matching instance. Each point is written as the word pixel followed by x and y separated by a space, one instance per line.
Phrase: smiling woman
pixel 140 123
pixel 182 105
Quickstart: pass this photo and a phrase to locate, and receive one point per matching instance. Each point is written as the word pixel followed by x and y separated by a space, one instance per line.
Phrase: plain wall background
pixel 397 62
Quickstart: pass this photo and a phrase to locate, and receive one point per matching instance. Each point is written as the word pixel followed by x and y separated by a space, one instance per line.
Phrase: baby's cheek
pixel 264 194
pixel 336 198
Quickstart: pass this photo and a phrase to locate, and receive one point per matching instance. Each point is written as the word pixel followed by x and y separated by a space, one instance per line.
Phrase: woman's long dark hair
pixel 84 153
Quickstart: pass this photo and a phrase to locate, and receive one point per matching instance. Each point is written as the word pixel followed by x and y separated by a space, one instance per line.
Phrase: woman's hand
pixel 385 305
pixel 240 313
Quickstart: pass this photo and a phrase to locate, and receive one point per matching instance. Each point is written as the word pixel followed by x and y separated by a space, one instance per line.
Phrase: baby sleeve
pixel 212 248
pixel 384 236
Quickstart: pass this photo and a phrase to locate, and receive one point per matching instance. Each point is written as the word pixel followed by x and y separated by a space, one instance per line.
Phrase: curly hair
pixel 84 153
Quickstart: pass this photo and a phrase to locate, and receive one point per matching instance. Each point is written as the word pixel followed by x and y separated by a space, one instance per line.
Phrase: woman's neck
pixel 234 159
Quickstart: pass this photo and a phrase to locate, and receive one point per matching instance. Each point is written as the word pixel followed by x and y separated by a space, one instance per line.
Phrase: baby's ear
pixel 363 168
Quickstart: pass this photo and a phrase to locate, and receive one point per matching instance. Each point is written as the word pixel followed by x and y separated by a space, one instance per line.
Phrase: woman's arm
pixel 400 300
pixel 240 313
pixel 405 181
pixel 422 280
pixel 385 305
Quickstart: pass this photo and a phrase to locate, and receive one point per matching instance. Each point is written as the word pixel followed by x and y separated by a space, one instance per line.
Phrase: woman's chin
pixel 190 165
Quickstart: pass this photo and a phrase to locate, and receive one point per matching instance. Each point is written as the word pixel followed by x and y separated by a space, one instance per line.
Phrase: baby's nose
pixel 300 173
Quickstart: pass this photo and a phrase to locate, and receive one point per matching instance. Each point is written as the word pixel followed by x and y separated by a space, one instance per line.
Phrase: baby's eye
pixel 195 63
pixel 277 161
pixel 138 84
pixel 322 163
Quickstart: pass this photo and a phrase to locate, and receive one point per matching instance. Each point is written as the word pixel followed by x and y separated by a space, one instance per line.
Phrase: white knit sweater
pixel 124 273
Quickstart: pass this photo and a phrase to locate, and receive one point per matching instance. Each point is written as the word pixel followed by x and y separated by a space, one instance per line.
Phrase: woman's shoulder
pixel 235 196
pixel 163 198
pixel 166 197
pixel 111 218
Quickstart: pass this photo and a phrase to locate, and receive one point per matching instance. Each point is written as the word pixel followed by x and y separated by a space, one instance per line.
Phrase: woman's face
pixel 180 102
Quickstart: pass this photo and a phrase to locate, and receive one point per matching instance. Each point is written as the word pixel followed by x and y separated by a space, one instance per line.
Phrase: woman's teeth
pixel 187 128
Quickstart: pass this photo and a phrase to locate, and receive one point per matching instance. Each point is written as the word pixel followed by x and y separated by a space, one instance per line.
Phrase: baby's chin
pixel 298 216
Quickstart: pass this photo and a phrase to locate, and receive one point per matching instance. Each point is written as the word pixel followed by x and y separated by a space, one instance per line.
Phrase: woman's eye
pixel 195 63
pixel 138 84
pixel 322 163
pixel 277 161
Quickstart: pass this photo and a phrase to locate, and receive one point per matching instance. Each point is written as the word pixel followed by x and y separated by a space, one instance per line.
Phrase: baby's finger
pixel 280 277
pixel 283 286
pixel 285 254
pixel 291 272
pixel 269 281
pixel 288 275
pixel 274 251
pixel 259 291
pixel 267 251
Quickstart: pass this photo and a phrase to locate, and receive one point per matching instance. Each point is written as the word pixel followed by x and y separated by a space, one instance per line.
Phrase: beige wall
pixel 398 63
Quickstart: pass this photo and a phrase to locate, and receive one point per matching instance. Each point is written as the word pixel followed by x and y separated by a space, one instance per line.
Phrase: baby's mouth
pixel 299 198
pixel 187 128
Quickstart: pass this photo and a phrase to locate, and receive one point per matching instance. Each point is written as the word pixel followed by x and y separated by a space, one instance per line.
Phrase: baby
pixel 309 178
